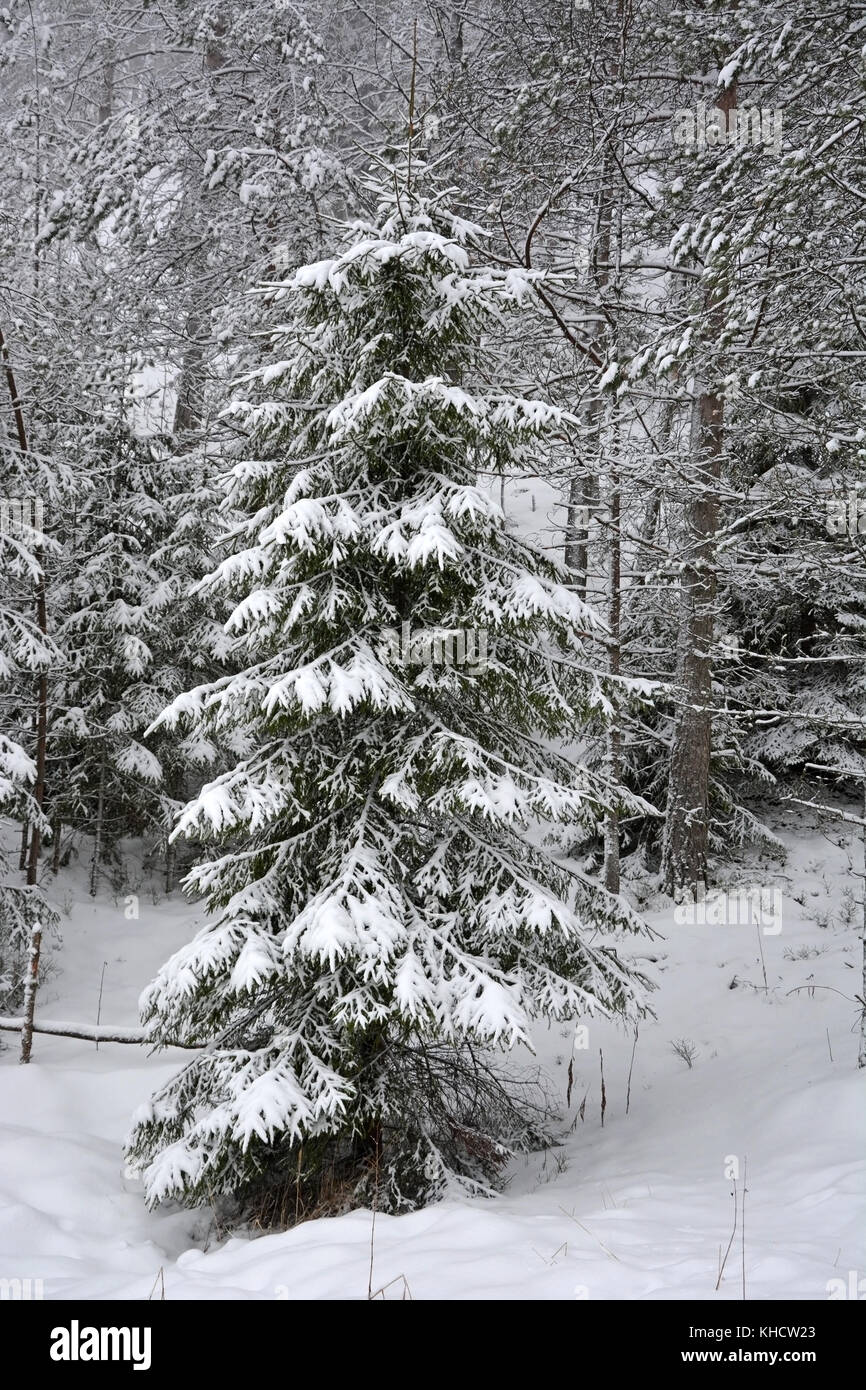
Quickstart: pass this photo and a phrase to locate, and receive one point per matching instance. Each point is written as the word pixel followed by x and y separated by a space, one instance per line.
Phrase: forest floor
pixel 638 1208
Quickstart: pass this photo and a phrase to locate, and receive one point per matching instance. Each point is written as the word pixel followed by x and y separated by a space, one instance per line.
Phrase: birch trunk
pixel 30 992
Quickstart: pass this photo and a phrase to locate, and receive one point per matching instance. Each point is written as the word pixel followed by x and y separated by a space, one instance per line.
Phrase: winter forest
pixel 432 649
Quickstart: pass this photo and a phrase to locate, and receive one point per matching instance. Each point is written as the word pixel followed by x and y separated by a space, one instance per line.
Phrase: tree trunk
pixel 582 497
pixel 861 1055
pixel 686 837
pixel 106 95
pixel 189 407
pixel 606 257
pixel 97 834
pixel 646 560
pixel 41 743
pixel 104 1032
pixel 614 738
pixel 170 865
pixel 30 992
pixel 684 855
pixel 584 490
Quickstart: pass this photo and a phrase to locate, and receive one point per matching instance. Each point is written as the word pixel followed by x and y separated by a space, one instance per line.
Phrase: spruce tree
pixel 386 868
pixel 132 634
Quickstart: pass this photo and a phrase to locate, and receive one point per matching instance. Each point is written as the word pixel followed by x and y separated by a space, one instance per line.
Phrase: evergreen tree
pixel 133 636
pixel 384 902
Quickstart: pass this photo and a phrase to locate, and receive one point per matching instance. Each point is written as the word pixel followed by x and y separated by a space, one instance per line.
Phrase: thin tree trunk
pixel 455 36
pixel 97 834
pixel 861 1055
pixel 614 738
pixel 686 837
pixel 684 855
pixel 56 834
pixel 30 992
pixel 652 514
pixel 106 96
pixel 583 492
pixel 170 865
pixel 104 1032
pixel 41 742
pixel 610 236
pixel 189 406
pixel 582 497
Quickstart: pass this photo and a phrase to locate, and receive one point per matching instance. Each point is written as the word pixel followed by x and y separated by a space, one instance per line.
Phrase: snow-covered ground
pixel 637 1209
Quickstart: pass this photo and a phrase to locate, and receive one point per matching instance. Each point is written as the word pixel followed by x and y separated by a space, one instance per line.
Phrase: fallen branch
pixel 88 1032
pixel 832 989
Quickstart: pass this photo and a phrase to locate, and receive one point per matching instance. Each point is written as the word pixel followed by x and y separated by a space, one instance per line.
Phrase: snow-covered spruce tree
pixel 133 637
pixel 385 905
